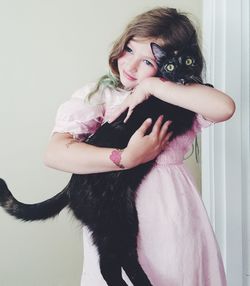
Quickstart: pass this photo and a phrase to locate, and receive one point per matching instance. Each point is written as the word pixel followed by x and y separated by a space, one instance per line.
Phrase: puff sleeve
pixel 78 117
pixel 200 122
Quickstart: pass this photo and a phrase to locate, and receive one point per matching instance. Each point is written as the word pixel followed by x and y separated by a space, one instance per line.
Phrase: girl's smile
pixel 128 76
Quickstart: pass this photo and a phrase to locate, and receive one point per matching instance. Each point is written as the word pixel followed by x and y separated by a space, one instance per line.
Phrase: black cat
pixel 105 202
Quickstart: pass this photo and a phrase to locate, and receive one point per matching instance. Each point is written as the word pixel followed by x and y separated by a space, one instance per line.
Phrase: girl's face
pixel 136 63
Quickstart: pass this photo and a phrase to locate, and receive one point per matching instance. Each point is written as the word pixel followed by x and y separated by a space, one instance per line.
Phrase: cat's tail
pixel 30 212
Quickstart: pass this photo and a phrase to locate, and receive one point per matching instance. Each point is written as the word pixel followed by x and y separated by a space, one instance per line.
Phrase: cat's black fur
pixel 105 202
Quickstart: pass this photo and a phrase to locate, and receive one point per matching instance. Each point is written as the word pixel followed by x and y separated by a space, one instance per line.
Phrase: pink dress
pixel 176 243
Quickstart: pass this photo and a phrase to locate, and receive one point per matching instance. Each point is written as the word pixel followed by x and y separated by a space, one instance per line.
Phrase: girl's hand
pixel 137 96
pixel 143 148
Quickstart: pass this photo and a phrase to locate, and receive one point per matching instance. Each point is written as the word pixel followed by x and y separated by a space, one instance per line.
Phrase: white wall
pixel 226 147
pixel 48 49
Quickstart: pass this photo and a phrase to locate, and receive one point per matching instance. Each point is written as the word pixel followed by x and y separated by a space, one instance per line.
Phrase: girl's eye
pixel 148 63
pixel 169 67
pixel 128 49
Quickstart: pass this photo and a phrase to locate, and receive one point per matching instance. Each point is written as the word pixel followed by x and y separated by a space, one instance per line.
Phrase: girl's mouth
pixel 128 76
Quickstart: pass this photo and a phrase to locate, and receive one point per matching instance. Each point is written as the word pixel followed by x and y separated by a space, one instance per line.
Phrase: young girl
pixel 176 244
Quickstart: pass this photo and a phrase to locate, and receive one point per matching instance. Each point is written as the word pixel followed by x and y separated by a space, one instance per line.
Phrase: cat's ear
pixel 157 51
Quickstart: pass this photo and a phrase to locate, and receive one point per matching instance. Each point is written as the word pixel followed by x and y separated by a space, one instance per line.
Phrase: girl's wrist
pixel 145 85
pixel 116 158
pixel 121 158
pixel 159 87
pixel 151 84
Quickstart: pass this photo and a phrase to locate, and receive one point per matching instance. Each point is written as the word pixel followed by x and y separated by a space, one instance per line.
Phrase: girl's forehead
pixel 147 40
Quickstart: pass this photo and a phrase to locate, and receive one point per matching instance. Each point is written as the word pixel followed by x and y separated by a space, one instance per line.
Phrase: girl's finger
pixel 165 141
pixel 164 129
pixel 144 127
pixel 128 115
pixel 157 126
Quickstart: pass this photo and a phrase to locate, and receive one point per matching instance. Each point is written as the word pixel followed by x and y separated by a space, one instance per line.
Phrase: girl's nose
pixel 132 65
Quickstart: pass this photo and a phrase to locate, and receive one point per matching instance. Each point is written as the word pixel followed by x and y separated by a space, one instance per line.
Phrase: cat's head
pixel 179 66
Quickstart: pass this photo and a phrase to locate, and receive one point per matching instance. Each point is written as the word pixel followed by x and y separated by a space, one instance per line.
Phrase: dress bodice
pixel 175 151
pixel 81 119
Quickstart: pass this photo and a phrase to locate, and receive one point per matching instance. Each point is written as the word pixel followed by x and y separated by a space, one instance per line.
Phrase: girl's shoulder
pixel 113 96
pixel 105 95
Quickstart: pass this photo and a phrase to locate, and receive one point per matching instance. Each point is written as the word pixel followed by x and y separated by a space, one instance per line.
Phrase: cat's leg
pixel 133 269
pixel 109 259
pixel 129 256
pixel 111 270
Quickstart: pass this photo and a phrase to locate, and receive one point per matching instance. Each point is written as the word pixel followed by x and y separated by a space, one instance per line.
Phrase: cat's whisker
pixel 196 79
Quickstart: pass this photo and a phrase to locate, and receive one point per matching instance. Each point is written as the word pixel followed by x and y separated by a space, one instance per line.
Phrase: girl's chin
pixel 128 85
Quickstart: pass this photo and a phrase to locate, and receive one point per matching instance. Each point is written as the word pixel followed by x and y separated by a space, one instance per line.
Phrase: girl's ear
pixel 157 51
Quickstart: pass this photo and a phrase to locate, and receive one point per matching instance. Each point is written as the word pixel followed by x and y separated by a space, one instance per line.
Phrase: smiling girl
pixel 176 243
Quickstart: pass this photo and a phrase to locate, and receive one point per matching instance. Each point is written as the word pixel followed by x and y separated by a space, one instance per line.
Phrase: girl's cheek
pixel 151 73
pixel 121 60
pixel 119 64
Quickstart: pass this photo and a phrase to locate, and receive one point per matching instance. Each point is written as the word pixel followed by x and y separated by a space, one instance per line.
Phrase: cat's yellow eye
pixel 189 62
pixel 169 67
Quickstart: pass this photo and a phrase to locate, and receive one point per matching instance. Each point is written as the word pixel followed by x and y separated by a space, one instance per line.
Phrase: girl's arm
pixel 211 103
pixel 67 154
